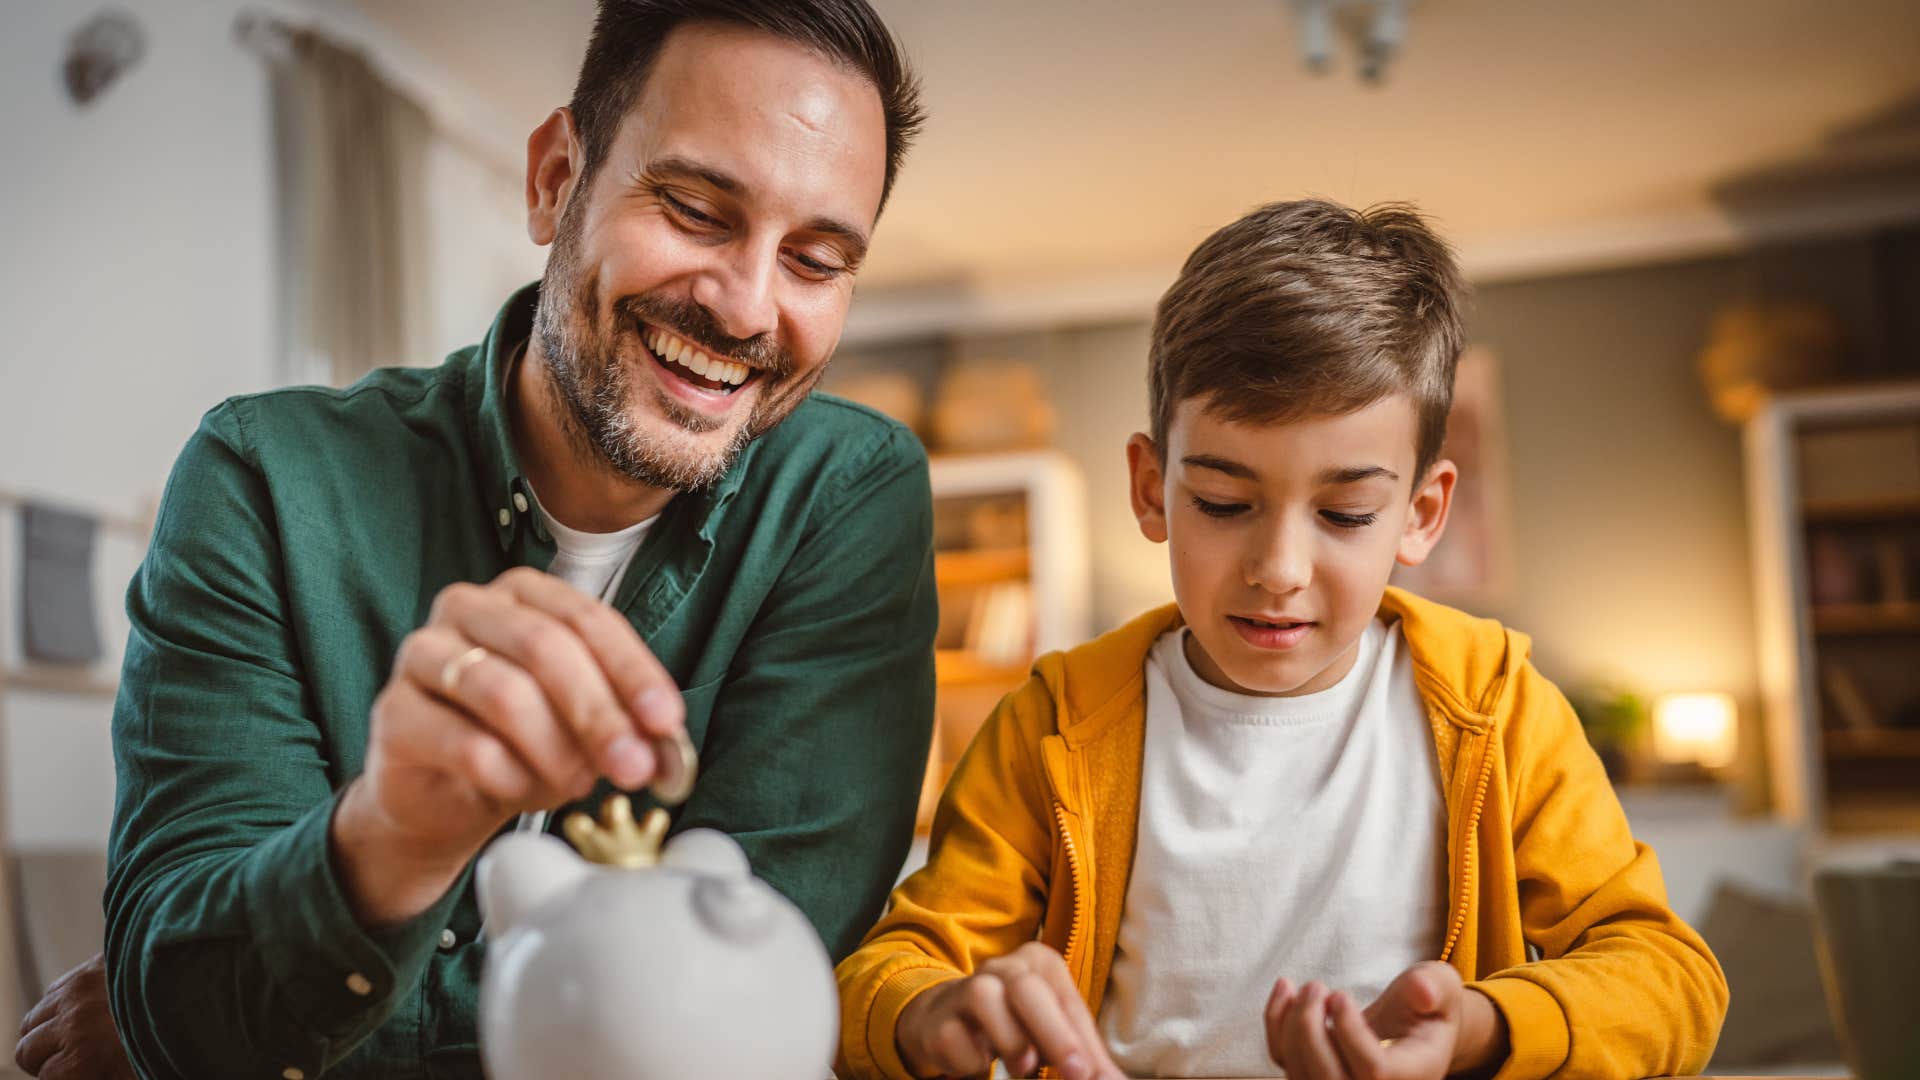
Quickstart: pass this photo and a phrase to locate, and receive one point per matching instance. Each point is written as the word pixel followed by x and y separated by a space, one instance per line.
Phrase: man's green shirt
pixel 305 532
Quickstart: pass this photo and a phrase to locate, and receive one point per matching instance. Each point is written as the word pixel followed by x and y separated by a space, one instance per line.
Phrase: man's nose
pixel 738 288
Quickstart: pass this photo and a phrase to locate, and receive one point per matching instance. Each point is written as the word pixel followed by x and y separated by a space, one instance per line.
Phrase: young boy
pixel 1299 819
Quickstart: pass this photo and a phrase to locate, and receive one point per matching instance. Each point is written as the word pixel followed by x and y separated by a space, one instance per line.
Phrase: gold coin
pixel 679 764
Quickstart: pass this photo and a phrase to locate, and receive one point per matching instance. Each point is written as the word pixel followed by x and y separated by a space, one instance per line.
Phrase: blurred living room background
pixel 1689 419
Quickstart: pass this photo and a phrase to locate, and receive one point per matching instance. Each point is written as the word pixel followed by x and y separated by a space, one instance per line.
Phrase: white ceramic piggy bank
pixel 688 969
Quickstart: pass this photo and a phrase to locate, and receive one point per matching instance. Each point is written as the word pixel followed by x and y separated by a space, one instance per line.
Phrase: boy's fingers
pixel 985 1004
pixel 1275 1014
pixel 956 1047
pixel 1039 1012
pixel 1082 1020
pixel 1309 1050
pixel 1358 1046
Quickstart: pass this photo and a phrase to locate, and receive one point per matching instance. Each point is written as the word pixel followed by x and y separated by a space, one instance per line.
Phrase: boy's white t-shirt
pixel 1299 837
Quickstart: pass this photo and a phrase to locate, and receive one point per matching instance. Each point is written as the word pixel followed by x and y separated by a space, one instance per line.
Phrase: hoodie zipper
pixel 1459 921
pixel 1073 873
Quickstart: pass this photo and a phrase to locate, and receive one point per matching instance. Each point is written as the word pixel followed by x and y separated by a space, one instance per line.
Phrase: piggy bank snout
pixel 739 911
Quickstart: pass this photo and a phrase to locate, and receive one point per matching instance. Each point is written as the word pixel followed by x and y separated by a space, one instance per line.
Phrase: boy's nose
pixel 1282 565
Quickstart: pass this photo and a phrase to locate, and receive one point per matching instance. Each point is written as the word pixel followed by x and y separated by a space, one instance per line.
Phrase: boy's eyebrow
pixel 675 165
pixel 1353 474
pixel 1219 464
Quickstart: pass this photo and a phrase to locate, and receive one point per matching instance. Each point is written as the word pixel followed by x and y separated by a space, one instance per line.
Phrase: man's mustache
pixel 692 322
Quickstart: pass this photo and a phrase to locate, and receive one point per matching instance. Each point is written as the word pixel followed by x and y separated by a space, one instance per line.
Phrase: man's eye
pixel 814 268
pixel 1349 521
pixel 688 212
pixel 1216 509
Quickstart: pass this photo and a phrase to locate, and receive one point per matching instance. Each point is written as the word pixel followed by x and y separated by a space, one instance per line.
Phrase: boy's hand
pixel 1022 1008
pixel 1425 1025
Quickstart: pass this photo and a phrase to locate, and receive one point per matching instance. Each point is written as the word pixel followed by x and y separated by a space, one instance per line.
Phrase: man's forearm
pixel 388 877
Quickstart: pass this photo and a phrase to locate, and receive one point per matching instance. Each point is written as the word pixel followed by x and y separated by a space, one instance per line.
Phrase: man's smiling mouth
pixel 691 364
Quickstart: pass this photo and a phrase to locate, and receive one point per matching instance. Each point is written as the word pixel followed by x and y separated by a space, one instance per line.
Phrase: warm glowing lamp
pixel 1695 728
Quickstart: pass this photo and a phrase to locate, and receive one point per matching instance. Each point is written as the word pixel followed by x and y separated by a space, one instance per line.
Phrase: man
pixel 348 672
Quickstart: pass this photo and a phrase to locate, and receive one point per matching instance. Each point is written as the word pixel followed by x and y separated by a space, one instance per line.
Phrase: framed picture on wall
pixel 1472 564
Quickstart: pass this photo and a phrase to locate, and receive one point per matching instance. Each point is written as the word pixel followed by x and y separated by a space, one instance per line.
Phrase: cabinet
pixel 1834 501
pixel 1010 562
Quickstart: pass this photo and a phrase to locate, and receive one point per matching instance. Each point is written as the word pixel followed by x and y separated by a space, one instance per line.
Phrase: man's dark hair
pixel 627 35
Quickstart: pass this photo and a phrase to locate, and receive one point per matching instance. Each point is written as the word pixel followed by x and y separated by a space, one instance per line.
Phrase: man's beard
pixel 593 382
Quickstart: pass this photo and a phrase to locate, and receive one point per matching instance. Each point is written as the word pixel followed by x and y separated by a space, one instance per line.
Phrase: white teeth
pixel 673 350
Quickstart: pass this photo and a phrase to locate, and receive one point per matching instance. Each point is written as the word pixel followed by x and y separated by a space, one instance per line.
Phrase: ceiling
pixel 1076 138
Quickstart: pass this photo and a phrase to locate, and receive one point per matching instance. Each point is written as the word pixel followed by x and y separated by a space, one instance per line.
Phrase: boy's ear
pixel 1431 503
pixel 1147 487
pixel 554 159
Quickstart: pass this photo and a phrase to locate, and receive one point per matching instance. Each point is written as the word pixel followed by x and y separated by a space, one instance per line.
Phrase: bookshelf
pixel 1833 479
pixel 1010 562
pixel 126 535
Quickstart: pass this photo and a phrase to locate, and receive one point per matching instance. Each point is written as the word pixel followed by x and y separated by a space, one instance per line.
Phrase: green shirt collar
pixel 507 497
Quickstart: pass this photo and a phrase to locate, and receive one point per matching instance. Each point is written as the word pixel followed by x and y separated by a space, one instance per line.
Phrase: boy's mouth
pixel 693 365
pixel 1283 632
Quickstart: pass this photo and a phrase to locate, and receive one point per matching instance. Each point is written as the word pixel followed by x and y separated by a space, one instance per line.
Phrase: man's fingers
pixel 35 1047
pixel 42 1010
pixel 558 660
pixel 1359 1048
pixel 494 692
pixel 638 680
pixel 456 742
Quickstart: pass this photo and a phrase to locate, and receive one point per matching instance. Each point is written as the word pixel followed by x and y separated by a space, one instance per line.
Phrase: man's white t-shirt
pixel 1299 837
pixel 594 563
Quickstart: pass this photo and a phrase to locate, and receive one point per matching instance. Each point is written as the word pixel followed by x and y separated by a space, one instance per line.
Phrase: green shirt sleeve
pixel 814 757
pixel 230 948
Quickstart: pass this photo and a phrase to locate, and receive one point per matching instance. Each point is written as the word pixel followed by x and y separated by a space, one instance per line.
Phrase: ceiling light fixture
pixel 1378 29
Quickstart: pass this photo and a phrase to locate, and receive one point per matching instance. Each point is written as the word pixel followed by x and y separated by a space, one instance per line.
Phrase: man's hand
pixel 515 696
pixel 1424 1026
pixel 1022 1008
pixel 70 1035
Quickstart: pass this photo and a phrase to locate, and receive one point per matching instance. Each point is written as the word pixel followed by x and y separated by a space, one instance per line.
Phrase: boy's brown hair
pixel 1309 307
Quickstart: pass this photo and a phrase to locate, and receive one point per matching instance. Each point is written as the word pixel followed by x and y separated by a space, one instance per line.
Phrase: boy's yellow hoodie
pixel 1034 838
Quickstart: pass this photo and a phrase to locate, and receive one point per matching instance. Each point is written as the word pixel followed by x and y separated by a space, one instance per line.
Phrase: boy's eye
pixel 1349 521
pixel 1216 509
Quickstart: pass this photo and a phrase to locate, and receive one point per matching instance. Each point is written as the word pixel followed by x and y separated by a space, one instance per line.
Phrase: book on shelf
pixel 1000 629
pixel 1847 700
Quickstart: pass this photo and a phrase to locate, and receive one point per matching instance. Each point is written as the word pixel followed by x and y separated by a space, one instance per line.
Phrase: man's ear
pixel 1147 487
pixel 1431 504
pixel 554 160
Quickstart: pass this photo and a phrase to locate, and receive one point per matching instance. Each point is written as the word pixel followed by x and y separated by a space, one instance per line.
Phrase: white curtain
pixel 350 165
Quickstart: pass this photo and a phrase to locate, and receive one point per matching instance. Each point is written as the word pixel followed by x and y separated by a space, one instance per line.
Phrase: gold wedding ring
pixel 678 765
pixel 456 667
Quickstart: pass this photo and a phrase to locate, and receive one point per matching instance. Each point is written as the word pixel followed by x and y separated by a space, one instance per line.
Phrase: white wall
pixel 137 291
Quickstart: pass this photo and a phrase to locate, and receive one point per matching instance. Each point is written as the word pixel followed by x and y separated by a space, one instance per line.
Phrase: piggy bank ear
pixel 519 872
pixel 707 851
